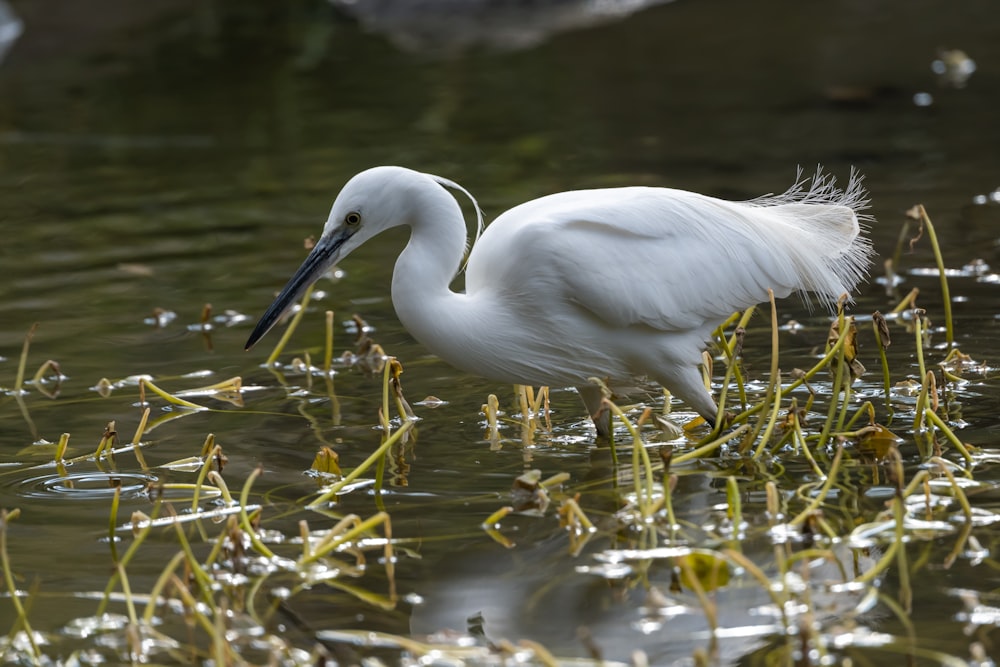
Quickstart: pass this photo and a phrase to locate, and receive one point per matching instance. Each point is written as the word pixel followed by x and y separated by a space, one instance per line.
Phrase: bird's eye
pixel 352 219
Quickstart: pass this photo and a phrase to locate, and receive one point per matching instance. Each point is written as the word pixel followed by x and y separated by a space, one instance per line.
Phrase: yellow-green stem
pixel 945 292
pixel 290 329
pixel 157 590
pixel 206 465
pixel 775 408
pixel 328 354
pixel 890 554
pixel 8 577
pixel 23 362
pixel 113 524
pixel 883 359
pixel 354 474
pixel 963 500
pixel 831 476
pixel 139 538
pixel 245 517
pixel 952 438
pixel 170 398
pixel 838 382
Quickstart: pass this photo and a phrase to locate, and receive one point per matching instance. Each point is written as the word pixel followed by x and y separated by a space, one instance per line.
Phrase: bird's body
pixel 617 283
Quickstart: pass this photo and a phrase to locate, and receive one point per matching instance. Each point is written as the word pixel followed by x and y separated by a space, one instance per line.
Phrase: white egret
pixel 618 283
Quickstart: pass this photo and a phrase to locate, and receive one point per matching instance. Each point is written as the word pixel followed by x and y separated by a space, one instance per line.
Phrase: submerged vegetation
pixel 835 500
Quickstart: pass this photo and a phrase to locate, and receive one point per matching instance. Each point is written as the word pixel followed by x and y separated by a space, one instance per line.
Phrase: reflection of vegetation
pixel 828 558
pixel 798 456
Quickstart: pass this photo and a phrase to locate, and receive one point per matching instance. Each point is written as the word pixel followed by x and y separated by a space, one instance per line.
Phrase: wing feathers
pixel 675 260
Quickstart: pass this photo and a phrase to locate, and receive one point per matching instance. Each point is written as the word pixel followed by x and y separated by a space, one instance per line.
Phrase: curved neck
pixel 421 281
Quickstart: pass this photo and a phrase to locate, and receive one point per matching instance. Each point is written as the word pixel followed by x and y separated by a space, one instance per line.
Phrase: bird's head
pixel 371 202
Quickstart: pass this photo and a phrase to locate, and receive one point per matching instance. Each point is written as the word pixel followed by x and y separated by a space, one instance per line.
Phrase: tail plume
pixel 833 221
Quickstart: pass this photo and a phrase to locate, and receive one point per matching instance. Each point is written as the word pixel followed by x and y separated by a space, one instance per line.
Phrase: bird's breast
pixel 508 336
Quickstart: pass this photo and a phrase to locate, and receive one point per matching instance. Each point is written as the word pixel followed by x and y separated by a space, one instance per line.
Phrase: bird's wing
pixel 670 259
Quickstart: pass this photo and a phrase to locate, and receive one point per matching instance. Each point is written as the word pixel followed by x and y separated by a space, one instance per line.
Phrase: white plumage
pixel 616 283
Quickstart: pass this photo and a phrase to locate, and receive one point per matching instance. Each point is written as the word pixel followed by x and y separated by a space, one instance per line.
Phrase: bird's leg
pixel 593 398
pixel 685 383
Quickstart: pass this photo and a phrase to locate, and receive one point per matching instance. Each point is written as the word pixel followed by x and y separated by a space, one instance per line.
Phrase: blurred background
pixel 164 153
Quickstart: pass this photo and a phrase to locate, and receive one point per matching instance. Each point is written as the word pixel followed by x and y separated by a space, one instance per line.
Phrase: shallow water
pixel 177 156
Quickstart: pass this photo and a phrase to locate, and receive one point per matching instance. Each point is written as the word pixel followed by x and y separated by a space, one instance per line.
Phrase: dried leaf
pixel 877 441
pixel 854 366
pixel 326 462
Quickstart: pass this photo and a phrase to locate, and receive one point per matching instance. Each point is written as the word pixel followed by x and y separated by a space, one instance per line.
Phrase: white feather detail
pixel 675 260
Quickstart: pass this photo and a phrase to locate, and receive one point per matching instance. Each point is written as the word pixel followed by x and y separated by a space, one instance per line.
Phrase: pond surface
pixel 162 156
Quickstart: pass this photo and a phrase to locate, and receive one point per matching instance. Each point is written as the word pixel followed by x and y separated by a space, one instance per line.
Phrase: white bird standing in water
pixel 617 283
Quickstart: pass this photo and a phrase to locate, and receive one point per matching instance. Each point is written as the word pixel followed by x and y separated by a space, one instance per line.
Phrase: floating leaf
pixel 711 571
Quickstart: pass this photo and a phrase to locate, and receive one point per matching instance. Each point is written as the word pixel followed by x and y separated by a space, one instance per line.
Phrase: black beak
pixel 323 256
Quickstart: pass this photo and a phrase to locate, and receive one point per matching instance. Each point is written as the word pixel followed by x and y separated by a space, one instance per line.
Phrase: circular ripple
pixel 86 485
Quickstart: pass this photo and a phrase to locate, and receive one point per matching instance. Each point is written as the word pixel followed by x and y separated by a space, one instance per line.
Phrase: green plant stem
pixel 963 500
pixel 157 590
pixel 126 558
pixel 918 334
pixel 354 474
pixel 206 465
pixel 113 524
pixel 838 382
pixel 939 259
pixel 290 329
pixel 798 382
pixel 23 361
pixel 708 448
pixel 775 409
pixel 889 555
pixel 831 475
pixel 884 360
pixel 639 455
pixel 170 398
pixel 952 438
pixel 245 517
pixel 8 577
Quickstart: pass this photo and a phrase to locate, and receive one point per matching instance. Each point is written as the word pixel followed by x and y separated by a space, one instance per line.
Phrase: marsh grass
pixel 814 522
pixel 237 559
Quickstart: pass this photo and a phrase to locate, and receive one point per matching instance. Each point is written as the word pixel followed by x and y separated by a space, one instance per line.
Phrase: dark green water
pixel 174 154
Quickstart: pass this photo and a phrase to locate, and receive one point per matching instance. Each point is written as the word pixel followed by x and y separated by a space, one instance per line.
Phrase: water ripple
pixel 86 485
